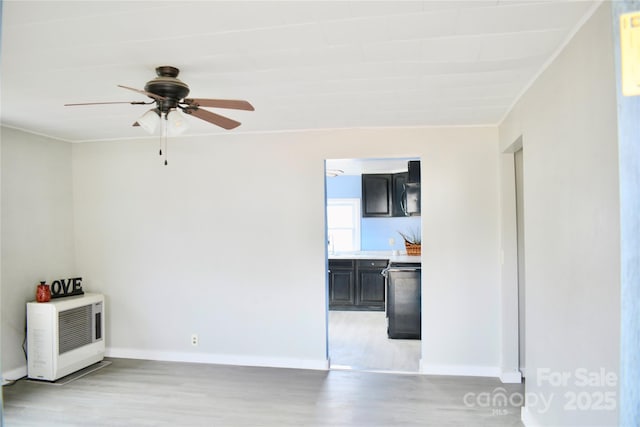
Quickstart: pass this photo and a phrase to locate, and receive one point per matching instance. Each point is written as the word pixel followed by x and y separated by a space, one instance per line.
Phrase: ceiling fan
pixel 169 95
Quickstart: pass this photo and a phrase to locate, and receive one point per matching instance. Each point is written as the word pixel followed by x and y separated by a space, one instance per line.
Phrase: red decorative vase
pixel 43 293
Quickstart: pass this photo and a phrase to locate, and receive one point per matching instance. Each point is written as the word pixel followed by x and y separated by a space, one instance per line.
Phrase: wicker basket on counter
pixel 413 248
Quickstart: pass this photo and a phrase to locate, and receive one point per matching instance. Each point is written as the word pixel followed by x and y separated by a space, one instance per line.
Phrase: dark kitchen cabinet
pixel 342 291
pixel 377 195
pixel 370 284
pixel 390 195
pixel 356 285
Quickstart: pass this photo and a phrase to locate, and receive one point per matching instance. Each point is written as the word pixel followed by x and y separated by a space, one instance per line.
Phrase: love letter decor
pixel 66 288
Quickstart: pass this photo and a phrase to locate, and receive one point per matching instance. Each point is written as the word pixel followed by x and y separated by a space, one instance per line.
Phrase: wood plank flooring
pixel 358 340
pixel 150 393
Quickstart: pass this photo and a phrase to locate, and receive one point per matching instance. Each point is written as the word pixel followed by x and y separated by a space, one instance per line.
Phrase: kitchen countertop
pixel 401 257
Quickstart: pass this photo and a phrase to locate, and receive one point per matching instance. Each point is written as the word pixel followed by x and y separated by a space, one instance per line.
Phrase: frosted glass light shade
pixel 150 120
pixel 176 123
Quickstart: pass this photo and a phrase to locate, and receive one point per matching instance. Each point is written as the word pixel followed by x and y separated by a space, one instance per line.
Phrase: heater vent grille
pixel 74 328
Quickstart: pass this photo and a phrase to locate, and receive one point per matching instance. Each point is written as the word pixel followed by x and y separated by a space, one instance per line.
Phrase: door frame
pixel 510 357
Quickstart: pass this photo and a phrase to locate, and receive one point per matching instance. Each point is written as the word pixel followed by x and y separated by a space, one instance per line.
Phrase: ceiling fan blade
pixel 235 104
pixel 216 119
pixel 144 92
pixel 104 103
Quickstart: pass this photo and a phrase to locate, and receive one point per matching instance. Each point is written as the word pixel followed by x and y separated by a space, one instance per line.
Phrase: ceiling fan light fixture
pixel 169 94
pixel 149 121
pixel 176 123
pixel 332 173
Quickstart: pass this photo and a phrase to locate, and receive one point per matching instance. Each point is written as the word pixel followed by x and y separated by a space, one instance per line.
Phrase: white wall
pixel 567 121
pixel 228 242
pixel 461 295
pixel 37 230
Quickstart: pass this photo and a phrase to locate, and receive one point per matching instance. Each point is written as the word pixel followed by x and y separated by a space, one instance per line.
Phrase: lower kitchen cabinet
pixel 370 284
pixel 357 284
pixel 342 290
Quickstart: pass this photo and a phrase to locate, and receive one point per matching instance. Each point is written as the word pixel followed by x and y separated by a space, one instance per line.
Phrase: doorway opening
pixel 359 248
pixel 519 184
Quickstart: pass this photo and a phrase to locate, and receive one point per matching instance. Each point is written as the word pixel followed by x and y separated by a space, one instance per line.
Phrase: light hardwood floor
pixel 147 393
pixel 358 340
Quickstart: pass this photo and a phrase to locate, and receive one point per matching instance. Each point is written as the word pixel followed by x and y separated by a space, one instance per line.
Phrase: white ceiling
pixel 303 64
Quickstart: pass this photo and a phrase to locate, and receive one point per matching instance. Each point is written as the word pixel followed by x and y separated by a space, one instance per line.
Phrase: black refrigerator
pixel 403 283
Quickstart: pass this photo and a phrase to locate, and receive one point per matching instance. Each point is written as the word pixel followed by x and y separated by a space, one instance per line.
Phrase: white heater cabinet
pixel 64 335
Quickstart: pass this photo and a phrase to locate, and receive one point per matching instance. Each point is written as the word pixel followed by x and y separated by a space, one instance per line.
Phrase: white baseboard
pixel 527 419
pixel 218 359
pixel 460 370
pixel 14 374
pixel 511 377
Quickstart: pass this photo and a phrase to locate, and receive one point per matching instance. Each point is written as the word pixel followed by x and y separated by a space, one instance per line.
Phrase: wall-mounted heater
pixel 64 335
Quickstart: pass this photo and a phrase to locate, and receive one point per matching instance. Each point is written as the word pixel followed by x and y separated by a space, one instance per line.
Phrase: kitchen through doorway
pixel 358 249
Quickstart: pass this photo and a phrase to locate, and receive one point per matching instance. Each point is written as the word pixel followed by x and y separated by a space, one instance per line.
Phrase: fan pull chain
pixel 163 132
pixel 166 145
pixel 166 138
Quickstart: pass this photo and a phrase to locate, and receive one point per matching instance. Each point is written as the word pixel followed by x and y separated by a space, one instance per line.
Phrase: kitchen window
pixel 343 225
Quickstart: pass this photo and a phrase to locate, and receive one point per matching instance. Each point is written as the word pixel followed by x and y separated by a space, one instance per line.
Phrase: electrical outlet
pixel 194 340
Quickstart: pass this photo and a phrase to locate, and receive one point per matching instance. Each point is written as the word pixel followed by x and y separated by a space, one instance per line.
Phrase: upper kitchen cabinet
pixel 377 195
pixel 392 195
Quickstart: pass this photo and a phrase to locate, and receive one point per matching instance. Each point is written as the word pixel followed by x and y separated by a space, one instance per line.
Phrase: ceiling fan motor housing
pixel 169 86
